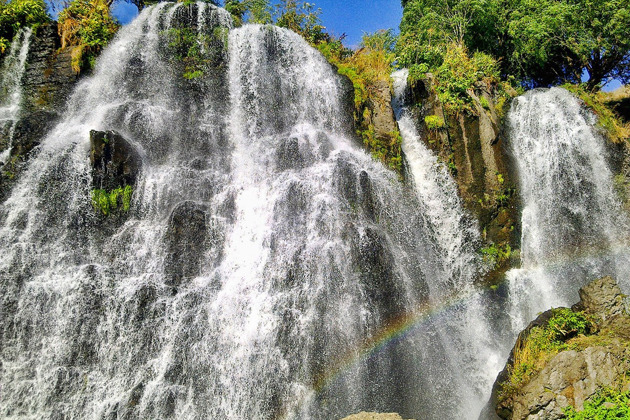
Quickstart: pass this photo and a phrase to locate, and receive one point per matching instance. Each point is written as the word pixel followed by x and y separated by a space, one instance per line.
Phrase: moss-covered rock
pixel 566 357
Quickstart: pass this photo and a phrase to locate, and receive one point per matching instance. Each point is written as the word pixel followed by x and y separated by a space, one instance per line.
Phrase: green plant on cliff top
pixel 616 129
pixel 86 26
pixel 459 72
pixel 607 404
pixel 433 122
pixel 368 69
pixel 542 343
pixel 17 14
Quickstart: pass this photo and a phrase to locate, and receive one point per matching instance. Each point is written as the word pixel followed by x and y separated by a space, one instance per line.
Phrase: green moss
pixel 107 202
pixel 433 122
pixel 484 103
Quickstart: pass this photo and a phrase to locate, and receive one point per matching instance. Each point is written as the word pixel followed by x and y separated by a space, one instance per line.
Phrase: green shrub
pixel 542 343
pixel 459 72
pixel 86 26
pixel 566 324
pixel 495 255
pixel 106 202
pixel 417 72
pixel 433 122
pixel 606 404
pixel 17 14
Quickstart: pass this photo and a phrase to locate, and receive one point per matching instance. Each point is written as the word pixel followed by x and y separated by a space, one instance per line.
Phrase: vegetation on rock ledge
pixel 542 343
pixel 17 14
pixel 106 202
pixel 86 26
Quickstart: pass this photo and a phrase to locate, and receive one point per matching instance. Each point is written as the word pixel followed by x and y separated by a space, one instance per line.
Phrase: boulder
pixel 115 162
pixel 373 416
pixel 575 374
pixel 603 298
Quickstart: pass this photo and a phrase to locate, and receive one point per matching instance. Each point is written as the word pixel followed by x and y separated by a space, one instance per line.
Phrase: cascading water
pixel 475 353
pixel 574 228
pixel 11 75
pixel 268 267
pixel 266 261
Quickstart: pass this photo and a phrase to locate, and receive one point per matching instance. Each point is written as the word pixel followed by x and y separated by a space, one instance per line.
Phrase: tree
pixel 428 26
pixel 555 41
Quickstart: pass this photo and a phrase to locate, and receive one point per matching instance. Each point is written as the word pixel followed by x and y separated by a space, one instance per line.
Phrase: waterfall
pixel 268 267
pixel 574 228
pixel 11 74
pixel 474 352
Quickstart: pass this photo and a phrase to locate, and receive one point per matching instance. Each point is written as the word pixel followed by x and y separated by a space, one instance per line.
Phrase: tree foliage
pixel 17 14
pixel 541 42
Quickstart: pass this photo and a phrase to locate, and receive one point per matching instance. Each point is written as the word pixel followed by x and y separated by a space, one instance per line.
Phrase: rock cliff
pixel 471 143
pixel 47 82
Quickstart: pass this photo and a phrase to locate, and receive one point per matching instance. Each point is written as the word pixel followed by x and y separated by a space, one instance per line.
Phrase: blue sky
pixel 352 17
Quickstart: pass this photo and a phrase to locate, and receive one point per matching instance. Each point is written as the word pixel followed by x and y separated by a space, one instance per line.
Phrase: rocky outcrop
pixel 373 416
pixel 573 375
pixel 471 144
pixel 115 162
pixel 186 237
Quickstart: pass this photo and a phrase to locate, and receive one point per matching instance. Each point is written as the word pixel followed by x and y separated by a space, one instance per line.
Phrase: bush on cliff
pixel 540 42
pixel 86 26
pixel 369 69
pixel 17 14
pixel 541 344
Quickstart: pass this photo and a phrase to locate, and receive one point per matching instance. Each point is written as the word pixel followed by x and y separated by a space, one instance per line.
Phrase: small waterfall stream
pixel 574 228
pixel 11 74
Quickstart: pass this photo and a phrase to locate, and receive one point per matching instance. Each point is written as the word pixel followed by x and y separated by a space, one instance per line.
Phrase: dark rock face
pixel 47 82
pixel 49 77
pixel 473 146
pixel 186 237
pixel 115 162
pixel 571 377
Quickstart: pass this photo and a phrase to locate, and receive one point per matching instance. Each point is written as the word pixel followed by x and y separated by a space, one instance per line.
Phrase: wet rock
pixel 186 237
pixel 373 416
pixel 472 145
pixel 115 162
pixel 47 83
